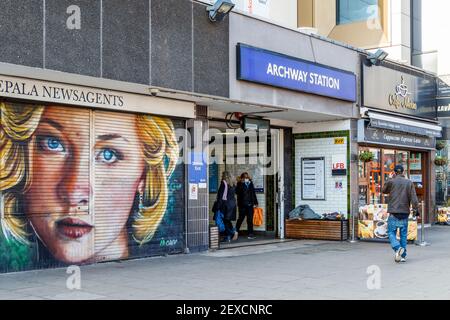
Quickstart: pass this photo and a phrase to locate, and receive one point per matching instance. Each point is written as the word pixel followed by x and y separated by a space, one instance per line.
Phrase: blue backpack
pixel 219 221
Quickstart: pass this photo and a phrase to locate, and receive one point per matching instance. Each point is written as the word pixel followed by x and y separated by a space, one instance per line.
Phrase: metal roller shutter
pixel 80 185
pixel 139 191
pixel 45 186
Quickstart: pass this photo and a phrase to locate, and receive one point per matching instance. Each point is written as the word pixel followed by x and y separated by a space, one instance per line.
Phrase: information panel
pixel 313 178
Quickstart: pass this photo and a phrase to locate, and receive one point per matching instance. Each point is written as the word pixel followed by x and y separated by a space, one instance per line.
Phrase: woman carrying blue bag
pixel 225 207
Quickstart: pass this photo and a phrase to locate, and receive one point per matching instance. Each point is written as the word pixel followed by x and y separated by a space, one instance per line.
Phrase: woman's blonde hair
pixel 227 177
pixel 17 125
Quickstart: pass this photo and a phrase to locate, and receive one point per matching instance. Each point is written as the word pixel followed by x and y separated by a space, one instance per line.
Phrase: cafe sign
pixel 402 97
pixel 399 91
pixel 372 135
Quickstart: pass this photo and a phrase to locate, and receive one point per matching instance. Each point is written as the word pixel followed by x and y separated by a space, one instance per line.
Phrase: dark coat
pixel 227 207
pixel 402 194
pixel 246 195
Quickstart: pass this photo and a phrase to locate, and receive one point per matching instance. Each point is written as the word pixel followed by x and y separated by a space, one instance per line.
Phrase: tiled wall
pixel 335 200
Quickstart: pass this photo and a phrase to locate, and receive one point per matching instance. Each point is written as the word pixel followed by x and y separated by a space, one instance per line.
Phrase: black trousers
pixel 229 230
pixel 246 212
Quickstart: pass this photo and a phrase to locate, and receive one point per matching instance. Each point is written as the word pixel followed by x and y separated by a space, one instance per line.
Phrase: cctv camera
pixel 154 92
pixel 363 112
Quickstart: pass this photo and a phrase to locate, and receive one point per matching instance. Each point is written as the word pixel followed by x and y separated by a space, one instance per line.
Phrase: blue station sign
pixel 278 70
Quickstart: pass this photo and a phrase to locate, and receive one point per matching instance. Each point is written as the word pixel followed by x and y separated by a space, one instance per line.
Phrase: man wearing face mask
pixel 247 201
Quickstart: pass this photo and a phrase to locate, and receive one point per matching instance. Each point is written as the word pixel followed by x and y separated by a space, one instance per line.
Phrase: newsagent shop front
pixel 398 127
pixel 88 175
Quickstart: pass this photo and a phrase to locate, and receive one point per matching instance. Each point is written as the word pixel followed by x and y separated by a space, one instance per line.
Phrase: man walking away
pixel 402 195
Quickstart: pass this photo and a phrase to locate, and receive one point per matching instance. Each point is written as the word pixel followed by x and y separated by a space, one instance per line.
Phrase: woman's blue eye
pixel 108 156
pixel 51 144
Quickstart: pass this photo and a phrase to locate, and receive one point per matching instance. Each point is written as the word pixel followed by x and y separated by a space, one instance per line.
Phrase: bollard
pixel 423 243
pixel 353 239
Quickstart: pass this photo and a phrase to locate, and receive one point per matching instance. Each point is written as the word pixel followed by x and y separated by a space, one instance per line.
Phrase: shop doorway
pixel 259 156
pixel 373 174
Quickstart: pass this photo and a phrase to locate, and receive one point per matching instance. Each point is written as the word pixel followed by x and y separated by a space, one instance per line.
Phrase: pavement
pixel 272 271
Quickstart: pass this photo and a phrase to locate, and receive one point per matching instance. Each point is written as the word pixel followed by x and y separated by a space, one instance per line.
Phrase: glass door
pixel 402 158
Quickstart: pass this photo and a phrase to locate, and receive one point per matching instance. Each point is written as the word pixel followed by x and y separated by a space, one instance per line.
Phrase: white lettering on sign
pixel 444 108
pixel 303 76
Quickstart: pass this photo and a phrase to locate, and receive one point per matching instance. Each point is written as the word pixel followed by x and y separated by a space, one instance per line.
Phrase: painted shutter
pixel 122 184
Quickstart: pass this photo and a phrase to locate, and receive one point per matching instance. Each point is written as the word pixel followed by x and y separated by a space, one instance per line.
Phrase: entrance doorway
pixel 258 154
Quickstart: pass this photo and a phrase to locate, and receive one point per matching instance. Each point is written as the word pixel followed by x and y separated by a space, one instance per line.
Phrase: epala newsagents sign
pixel 76 95
pixel 274 69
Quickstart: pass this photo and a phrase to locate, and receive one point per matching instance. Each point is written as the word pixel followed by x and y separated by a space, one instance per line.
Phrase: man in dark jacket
pixel 247 200
pixel 402 195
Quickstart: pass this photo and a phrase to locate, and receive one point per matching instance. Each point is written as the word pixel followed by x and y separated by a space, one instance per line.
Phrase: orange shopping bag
pixel 257 217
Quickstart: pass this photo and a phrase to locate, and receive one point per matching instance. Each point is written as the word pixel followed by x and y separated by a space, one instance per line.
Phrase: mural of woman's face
pixel 57 202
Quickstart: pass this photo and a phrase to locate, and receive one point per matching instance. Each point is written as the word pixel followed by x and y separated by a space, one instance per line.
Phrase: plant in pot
pixel 366 156
pixel 440 161
pixel 441 144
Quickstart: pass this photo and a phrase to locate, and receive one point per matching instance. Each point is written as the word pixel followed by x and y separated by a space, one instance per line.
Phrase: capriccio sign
pixel 401 98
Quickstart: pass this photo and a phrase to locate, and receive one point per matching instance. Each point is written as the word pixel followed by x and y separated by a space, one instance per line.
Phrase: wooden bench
pixel 317 229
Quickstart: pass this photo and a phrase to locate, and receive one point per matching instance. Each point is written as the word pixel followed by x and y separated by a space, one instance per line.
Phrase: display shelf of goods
pixel 443 216
pixel 366 156
pixel 440 161
pixel 441 144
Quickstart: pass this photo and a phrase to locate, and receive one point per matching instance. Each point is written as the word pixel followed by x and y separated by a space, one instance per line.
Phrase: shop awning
pixel 382 121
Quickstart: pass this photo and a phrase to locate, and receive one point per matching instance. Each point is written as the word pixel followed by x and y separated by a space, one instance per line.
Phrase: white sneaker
pixel 398 254
pixel 403 259
pixel 235 236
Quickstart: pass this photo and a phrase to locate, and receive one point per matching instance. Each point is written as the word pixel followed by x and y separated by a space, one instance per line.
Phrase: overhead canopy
pixel 383 121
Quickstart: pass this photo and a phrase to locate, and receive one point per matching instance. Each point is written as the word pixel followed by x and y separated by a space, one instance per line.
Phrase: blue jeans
pixel 393 225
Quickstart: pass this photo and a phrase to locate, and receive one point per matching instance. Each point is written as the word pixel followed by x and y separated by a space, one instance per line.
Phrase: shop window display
pixel 373 208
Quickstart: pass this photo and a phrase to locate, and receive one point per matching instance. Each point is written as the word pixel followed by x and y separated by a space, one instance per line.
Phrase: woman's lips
pixel 73 228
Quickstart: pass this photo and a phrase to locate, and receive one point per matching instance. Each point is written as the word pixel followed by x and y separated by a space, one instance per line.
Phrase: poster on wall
pixel 416 178
pixel 197 170
pixel 373 223
pixel 138 186
pixel 313 178
pixel 213 178
pixel 193 191
pixel 415 161
pixel 256 173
